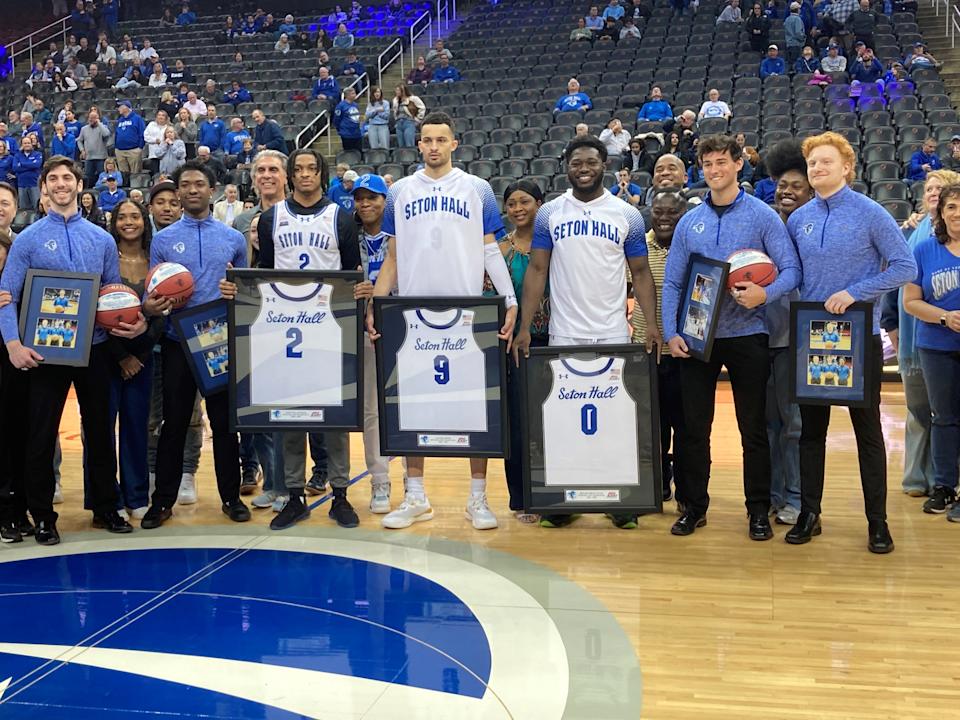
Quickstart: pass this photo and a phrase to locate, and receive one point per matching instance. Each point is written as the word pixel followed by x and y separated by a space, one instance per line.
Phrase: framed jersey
pixel 705 290
pixel 590 430
pixel 441 371
pixel 295 346
pixel 57 315
pixel 203 336
pixel 834 361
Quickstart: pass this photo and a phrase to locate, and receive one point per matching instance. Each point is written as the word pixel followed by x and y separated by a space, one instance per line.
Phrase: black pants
pixel 871 450
pixel 513 465
pixel 672 425
pixel 49 385
pixel 179 391
pixel 747 360
pixel 352 144
pixel 14 399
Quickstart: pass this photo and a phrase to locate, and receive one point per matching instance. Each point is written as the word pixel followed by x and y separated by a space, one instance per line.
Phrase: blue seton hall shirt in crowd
pixel 938 273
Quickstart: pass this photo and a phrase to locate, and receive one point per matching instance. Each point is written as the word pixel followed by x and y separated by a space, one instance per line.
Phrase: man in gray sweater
pixel 93 144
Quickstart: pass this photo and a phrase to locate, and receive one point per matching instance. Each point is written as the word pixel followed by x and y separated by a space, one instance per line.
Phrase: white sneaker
pixel 138 513
pixel 188 490
pixel 380 497
pixel 279 503
pixel 122 512
pixel 264 499
pixel 414 508
pixel 479 513
pixel 57 495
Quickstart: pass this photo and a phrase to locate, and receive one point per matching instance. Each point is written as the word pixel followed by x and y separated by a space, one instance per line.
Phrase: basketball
pixel 751 266
pixel 171 280
pixel 117 304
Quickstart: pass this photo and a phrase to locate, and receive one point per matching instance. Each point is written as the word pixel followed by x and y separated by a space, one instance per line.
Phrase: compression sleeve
pixel 496 268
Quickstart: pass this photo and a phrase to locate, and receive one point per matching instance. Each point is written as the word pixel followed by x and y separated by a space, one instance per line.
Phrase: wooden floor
pixel 725 627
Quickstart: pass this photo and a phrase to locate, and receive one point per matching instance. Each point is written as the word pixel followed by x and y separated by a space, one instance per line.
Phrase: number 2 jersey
pixel 439 227
pixel 441 373
pixel 589 425
pixel 318 237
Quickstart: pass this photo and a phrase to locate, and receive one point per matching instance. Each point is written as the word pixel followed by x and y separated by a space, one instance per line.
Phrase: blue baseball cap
pixel 371 182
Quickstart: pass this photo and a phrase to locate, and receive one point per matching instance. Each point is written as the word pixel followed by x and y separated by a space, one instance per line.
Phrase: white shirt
pixel 617 143
pixel 439 226
pixel 589 243
pixel 148 54
pixel 153 137
pixel 714 109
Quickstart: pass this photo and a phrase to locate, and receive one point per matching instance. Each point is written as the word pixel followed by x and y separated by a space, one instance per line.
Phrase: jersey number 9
pixel 441 366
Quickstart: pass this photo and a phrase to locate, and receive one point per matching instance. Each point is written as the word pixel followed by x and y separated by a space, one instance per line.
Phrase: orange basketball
pixel 117 304
pixel 751 266
pixel 171 280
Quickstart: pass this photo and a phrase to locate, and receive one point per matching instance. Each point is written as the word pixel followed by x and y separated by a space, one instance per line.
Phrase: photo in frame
pixel 296 344
pixel 704 291
pixel 591 429
pixel 57 315
pixel 441 372
pixel 203 336
pixel 832 359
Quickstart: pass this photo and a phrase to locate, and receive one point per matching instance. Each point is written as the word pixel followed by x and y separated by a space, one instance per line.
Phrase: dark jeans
pixel 318 453
pixel 870 449
pixel 942 372
pixel 747 361
pixel 191 452
pixel 179 392
pixel 91 171
pixel 513 465
pixel 672 425
pixel 131 400
pixel 49 385
pixel 257 451
pixel 14 399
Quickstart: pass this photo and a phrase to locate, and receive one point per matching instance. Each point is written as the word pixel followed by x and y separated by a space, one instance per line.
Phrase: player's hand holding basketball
pixel 506 332
pixel 5 298
pixel 22 357
pixel 131 330
pixel 839 302
pixel 678 348
pixel 129 367
pixel 749 295
pixel 156 305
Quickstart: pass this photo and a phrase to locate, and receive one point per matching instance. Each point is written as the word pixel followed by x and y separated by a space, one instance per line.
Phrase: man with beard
pixel 668 207
pixel 587 262
pixel 788 170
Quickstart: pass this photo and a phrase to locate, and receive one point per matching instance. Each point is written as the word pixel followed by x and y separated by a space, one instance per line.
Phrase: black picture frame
pixel 204 335
pixel 608 457
pixel 846 358
pixel 268 404
pixel 58 313
pixel 704 291
pixel 485 430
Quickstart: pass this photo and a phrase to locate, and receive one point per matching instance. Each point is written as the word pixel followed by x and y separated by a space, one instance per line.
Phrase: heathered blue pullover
pixel 57 243
pixel 204 247
pixel 843 242
pixel 748 223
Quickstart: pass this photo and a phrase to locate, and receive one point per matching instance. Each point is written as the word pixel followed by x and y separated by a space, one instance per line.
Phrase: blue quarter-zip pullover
pixel 129 134
pixel 843 242
pixel 57 243
pixel 204 247
pixel 747 224
pixel 212 133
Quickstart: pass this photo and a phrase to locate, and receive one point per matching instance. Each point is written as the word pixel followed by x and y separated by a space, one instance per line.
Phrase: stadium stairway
pixel 938 42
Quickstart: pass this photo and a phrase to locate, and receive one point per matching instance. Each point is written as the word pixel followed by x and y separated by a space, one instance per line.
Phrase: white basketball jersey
pixel 441 373
pixel 439 227
pixel 305 242
pixel 295 343
pixel 589 425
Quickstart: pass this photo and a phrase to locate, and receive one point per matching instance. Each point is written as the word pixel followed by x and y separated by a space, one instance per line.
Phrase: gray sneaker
pixel 264 499
pixel 279 503
pixel 954 514
pixel 787 515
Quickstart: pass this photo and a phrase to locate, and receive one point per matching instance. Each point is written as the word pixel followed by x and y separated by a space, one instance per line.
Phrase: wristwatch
pixel 943 320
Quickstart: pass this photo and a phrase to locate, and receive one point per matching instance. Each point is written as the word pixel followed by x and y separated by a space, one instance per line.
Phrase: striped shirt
pixel 657 259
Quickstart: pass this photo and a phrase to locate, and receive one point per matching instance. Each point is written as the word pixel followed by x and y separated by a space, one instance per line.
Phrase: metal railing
pixel 951 18
pixel 314 129
pixel 443 15
pixel 386 59
pixel 425 25
pixel 23 48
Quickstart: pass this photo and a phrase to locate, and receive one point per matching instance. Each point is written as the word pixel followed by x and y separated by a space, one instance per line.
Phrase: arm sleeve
pixel 673 280
pixel 498 272
pixel 348 240
pixel 265 238
pixel 635 244
pixel 901 267
pixel 642 115
pixel 778 245
pixel 542 239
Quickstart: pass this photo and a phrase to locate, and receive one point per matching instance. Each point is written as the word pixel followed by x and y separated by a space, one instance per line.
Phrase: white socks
pixel 415 486
pixel 478 486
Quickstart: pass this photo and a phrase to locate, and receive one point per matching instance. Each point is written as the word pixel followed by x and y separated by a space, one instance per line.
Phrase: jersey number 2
pixel 441 364
pixel 295 336
pixel 304 260
pixel 588 419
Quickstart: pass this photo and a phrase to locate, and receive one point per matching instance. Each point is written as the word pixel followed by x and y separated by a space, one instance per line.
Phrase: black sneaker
pixel 47 533
pixel 112 522
pixel 236 510
pixel 10 533
pixel 293 512
pixel 342 511
pixel 940 500
pixel 556 521
pixel 156 516
pixel 624 522
pixel 249 481
pixel 26 527
pixel 317 485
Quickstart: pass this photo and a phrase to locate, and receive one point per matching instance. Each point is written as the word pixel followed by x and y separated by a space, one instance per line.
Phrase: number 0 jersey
pixel 439 227
pixel 295 347
pixel 441 373
pixel 589 425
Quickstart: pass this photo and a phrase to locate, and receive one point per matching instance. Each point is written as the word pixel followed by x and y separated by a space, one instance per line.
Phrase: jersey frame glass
pixel 538 387
pixel 832 359
pixel 203 336
pixel 703 294
pixel 304 413
pixel 57 315
pixel 440 439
